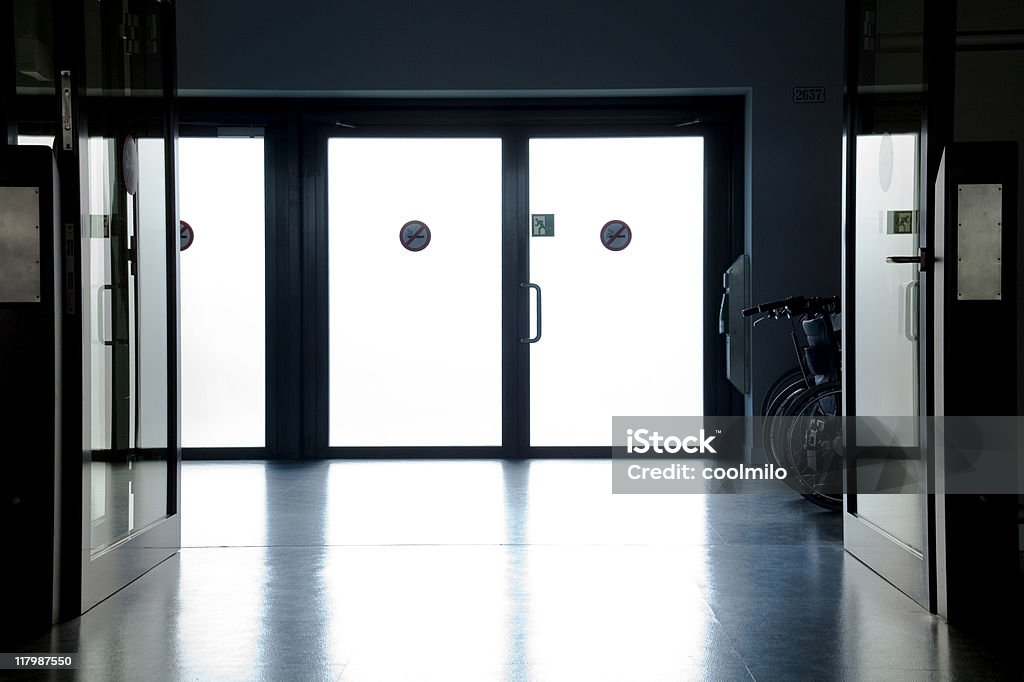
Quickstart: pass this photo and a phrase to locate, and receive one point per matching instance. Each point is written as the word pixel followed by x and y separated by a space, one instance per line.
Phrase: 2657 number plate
pixel 809 95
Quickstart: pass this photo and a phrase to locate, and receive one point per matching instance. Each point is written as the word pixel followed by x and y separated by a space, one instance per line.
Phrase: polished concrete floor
pixel 487 570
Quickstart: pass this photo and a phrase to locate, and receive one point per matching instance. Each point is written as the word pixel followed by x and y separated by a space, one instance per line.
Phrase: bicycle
pixel 802 428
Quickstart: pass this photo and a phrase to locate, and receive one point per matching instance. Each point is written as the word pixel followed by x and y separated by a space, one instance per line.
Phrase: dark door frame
pixel 295 133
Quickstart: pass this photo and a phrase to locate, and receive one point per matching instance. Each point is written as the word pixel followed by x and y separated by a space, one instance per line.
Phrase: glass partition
pixel 622 271
pixel 126 327
pixel 223 292
pixel 125 237
pixel 886 368
pixel 414 283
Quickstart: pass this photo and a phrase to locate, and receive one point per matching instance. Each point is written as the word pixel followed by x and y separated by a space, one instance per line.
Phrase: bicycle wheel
pixel 774 426
pixel 812 443
pixel 770 401
pixel 783 394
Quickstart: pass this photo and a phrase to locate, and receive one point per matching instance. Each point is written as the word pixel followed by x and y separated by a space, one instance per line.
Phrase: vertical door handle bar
pixel 910 303
pixel 531 285
pixel 103 313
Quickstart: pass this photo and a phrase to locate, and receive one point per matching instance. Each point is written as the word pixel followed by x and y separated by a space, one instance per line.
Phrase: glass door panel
pixel 414 248
pixel 621 268
pixel 129 276
pixel 223 292
pixel 150 298
pixel 125 261
pixel 96 189
pixel 885 520
pixel 886 372
pixel 886 334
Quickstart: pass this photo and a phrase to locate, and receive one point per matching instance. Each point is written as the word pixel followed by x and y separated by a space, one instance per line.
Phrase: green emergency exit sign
pixel 542 225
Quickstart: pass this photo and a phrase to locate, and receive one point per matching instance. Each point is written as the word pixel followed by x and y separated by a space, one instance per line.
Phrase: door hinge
pixel 67 122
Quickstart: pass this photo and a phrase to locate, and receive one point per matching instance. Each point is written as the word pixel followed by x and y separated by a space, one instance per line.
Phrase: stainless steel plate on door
pixel 19 245
pixel 979 237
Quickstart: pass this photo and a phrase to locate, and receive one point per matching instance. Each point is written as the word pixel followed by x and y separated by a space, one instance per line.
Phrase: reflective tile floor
pixel 487 570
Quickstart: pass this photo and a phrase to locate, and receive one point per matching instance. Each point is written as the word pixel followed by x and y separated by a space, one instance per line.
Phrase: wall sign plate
pixel 616 235
pixel 542 225
pixel 809 94
pixel 414 235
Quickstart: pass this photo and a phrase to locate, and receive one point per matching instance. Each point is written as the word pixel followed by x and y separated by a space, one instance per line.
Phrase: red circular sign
pixel 187 235
pixel 414 235
pixel 616 235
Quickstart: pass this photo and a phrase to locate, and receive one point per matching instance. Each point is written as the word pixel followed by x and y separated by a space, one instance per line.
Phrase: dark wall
pixel 570 47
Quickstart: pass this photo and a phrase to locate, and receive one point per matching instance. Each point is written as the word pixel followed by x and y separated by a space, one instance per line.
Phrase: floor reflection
pixel 413 502
pixel 516 503
pixel 488 570
pixel 225 505
pixel 222 605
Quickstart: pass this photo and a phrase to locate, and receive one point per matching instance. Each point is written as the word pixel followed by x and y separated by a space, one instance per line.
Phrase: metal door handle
pixel 910 293
pixel 921 259
pixel 531 285
pixel 103 317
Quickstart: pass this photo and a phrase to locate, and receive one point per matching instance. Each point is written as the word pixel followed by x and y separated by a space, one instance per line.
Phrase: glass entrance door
pixel 414 289
pixel 128 239
pixel 887 301
pixel 885 348
pixel 616 246
pixel 435 245
pixel 126 259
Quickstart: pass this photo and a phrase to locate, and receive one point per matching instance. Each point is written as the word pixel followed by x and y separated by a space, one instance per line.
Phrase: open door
pixel 976 414
pixel 117 165
pixel 886 332
pixel 129 294
pixel 931 347
pixel 94 83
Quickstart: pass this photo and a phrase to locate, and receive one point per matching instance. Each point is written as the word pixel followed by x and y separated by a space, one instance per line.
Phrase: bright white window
pixel 223 293
pixel 415 336
pixel 623 330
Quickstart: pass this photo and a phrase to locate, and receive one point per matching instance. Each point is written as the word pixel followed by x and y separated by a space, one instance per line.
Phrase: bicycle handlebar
pixel 795 305
pixel 771 306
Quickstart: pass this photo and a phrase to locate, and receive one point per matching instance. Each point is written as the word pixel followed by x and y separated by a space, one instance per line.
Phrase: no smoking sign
pixel 414 235
pixel 186 235
pixel 616 235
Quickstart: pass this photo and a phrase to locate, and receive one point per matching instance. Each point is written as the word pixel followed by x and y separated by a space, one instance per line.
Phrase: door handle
pixel 531 285
pixel 104 317
pixel 921 259
pixel 910 298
